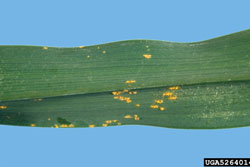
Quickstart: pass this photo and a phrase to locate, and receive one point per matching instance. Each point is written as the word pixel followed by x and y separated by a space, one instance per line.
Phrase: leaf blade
pixel 198 67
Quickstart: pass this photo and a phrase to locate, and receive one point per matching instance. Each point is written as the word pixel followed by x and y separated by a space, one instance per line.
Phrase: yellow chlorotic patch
pixel 3 107
pixel 104 51
pixel 104 125
pixel 56 126
pixel 174 88
pixel 45 48
pixel 108 121
pixel 98 47
pixel 116 93
pixel 134 93
pixel 125 90
pixel 67 126
pixel 137 118
pixel 162 108
pixel 122 98
pixel 130 81
pixel 167 94
pixel 154 106
pixel 71 125
pixel 147 46
pixel 91 126
pixel 137 105
pixel 115 121
pixel 63 126
pixel 49 119
pixel 116 97
pixel 127 116
pixel 127 99
pixel 38 99
pixel 88 57
pixel 33 125
pixel 118 123
pixel 159 101
pixel 172 98
pixel 81 46
pixel 147 56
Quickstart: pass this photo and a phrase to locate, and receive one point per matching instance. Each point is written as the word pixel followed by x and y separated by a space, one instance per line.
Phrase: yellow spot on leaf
pixel 115 121
pixel 127 116
pixel 71 125
pixel 147 46
pixel 104 51
pixel 81 46
pixel 104 125
pixel 49 119
pixel 116 93
pixel 98 47
pixel 128 101
pixel 119 123
pixel 91 126
pixel 108 121
pixel 137 105
pixel 172 98
pixel 147 56
pixel 33 125
pixel 56 126
pixel 88 57
pixel 167 94
pixel 45 48
pixel 137 118
pixel 162 108
pixel 116 97
pixel 130 81
pixel 63 126
pixel 67 126
pixel 174 88
pixel 3 107
pixel 125 90
pixel 159 101
pixel 154 106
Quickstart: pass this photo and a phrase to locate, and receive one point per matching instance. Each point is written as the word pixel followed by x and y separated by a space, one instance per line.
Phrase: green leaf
pixel 201 85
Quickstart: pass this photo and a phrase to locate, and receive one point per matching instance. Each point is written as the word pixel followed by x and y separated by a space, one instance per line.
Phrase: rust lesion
pixel 91 125
pixel 130 81
pixel 153 106
pixel 147 56
pixel 128 116
pixel 3 107
pixel 172 98
pixel 174 88
pixel 159 101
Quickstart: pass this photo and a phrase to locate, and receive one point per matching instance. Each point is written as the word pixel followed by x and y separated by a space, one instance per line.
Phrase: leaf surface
pixel 199 85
